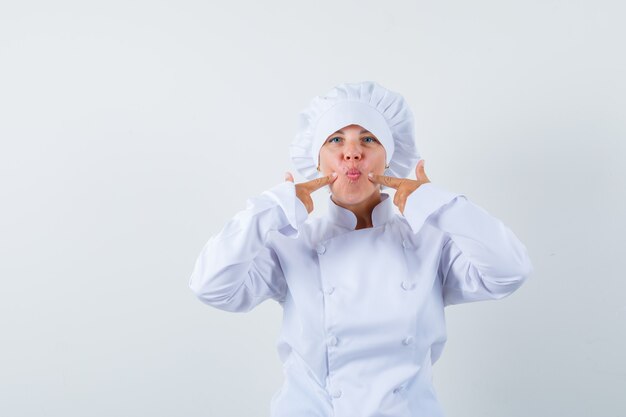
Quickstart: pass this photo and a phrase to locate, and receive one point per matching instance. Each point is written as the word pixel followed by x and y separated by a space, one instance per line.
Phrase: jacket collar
pixel 381 214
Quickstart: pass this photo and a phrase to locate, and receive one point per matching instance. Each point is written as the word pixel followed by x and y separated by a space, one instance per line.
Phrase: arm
pixel 481 258
pixel 236 270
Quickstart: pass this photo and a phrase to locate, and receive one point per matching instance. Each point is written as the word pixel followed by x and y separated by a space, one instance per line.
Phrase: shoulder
pixel 427 234
pixel 307 232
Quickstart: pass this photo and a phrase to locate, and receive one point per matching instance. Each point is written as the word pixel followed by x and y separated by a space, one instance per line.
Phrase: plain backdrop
pixel 131 131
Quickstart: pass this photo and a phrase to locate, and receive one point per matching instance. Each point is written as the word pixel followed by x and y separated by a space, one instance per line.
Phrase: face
pixel 352 153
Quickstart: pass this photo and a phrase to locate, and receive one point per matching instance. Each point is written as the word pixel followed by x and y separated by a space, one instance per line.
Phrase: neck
pixel 363 210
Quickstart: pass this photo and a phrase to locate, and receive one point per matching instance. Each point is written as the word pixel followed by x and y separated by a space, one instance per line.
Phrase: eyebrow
pixel 341 132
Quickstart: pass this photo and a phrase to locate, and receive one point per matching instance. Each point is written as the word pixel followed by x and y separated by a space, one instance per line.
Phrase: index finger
pixel 393 182
pixel 318 183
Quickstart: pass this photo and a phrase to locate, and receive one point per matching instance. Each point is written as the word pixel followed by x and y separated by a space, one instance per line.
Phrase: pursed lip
pixel 353 173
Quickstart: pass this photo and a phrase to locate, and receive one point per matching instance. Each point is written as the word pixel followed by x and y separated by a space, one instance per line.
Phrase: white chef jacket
pixel 363 310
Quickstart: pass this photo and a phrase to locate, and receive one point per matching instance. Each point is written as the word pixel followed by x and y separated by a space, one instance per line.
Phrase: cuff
pixel 424 201
pixel 294 211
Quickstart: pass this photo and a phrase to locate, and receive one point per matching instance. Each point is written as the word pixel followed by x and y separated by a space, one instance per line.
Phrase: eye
pixel 370 139
pixel 332 140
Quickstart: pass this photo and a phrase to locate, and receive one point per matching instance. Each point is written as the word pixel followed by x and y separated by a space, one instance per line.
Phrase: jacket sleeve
pixel 481 258
pixel 236 269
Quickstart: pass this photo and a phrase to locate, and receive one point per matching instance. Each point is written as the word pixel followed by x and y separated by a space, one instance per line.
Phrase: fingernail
pixel 370 175
pixel 334 174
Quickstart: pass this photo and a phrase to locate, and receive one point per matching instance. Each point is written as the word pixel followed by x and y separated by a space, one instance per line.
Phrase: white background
pixel 131 131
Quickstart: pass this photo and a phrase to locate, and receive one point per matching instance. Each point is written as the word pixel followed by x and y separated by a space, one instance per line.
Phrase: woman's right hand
pixel 304 189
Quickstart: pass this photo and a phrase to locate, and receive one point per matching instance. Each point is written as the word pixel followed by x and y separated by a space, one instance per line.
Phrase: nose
pixel 352 153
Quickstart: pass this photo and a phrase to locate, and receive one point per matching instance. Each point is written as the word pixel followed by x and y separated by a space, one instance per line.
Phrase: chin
pixel 354 196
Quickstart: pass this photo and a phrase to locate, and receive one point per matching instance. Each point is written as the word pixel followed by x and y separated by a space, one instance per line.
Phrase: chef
pixel 363 288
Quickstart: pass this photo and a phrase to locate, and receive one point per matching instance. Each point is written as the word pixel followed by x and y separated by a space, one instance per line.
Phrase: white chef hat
pixel 368 104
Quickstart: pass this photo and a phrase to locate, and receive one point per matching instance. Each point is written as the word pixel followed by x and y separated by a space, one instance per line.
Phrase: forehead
pixel 351 128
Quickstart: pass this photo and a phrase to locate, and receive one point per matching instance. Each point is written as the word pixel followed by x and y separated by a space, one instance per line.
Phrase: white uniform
pixel 363 309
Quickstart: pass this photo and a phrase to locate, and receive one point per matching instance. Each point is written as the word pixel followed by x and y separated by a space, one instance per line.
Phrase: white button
pixel 407 340
pixel 336 393
pixel 407 285
pixel 320 249
pixel 330 290
pixel 333 341
pixel 398 389
pixel 406 244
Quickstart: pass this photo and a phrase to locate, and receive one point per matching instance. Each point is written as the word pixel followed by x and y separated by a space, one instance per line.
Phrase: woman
pixel 363 288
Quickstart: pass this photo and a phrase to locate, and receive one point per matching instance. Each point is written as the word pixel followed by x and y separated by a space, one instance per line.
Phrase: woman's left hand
pixel 403 186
